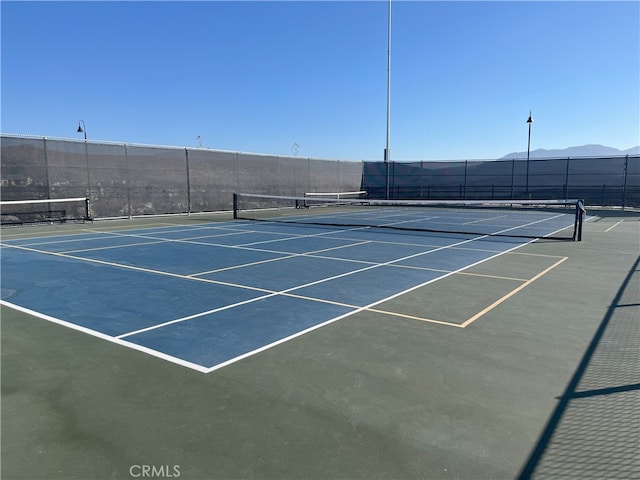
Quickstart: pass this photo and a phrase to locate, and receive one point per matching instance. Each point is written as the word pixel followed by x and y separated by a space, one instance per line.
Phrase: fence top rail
pixel 142 145
pixel 462 162
pixel 172 147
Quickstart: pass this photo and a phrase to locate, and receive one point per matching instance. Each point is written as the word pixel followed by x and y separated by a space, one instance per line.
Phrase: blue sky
pixel 263 76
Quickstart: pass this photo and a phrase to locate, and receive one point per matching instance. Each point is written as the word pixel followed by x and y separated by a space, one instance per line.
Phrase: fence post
pixel 126 162
pixel 624 182
pixel 46 174
pixel 465 179
pixel 86 158
pixel 566 180
pixel 513 169
pixel 46 166
pixel 238 186
pixel 279 183
pixel 186 155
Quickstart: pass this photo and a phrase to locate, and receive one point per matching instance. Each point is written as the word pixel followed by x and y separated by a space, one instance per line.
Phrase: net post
pixel 235 206
pixel 582 212
pixel 87 210
pixel 577 227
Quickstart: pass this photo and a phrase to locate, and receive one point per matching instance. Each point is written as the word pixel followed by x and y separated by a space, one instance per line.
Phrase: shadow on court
pixel 593 432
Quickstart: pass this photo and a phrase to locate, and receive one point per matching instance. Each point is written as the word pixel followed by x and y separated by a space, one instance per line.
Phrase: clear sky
pixel 263 76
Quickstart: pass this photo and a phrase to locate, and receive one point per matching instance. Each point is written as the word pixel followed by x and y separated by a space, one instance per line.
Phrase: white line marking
pixel 485 219
pixel 108 338
pixel 110 247
pixel 269 292
pixel 293 289
pixel 348 314
pixel 196 315
pixel 132 267
pixel 265 347
pixel 613 226
pixel 288 256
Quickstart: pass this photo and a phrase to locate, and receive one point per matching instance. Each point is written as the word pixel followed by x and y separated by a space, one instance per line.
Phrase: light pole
pixel 82 128
pixel 529 121
pixel 387 153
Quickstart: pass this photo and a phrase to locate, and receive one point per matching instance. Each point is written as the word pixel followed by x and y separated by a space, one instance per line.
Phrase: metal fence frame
pixel 127 180
pixel 608 181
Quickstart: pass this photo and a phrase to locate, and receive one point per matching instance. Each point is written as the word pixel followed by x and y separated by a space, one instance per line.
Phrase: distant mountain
pixel 631 151
pixel 581 151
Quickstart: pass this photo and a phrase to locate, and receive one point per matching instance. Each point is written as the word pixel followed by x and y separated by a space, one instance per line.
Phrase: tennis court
pixel 209 294
pixel 313 320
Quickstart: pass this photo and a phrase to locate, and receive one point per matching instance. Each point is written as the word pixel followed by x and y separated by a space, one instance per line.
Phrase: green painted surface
pixel 371 396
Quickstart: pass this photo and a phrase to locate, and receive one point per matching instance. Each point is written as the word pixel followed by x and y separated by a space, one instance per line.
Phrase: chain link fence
pixel 124 180
pixel 610 181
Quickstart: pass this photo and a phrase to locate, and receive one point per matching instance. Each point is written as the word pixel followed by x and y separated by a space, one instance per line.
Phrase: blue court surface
pixel 206 295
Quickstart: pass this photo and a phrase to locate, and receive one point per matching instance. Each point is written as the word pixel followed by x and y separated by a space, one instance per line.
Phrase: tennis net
pixel 557 219
pixel 51 210
pixel 336 195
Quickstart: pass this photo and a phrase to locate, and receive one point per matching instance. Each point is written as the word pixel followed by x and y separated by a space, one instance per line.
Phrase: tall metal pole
pixel 624 182
pixel 387 153
pixel 529 121
pixel 82 128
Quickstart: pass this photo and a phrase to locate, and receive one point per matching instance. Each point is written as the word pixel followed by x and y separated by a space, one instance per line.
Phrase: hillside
pixel 580 151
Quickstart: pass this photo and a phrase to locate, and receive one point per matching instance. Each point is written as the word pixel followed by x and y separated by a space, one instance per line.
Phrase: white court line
pixel 110 247
pixel 358 310
pixel 93 230
pixel 485 219
pixel 202 369
pixel 195 315
pixel 265 347
pixel 328 322
pixel 289 256
pixel 284 255
pixel 108 338
pixel 499 232
pixel 133 267
pixel 105 235
pixel 207 244
pixel 298 287
pixel 269 292
pixel 613 226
